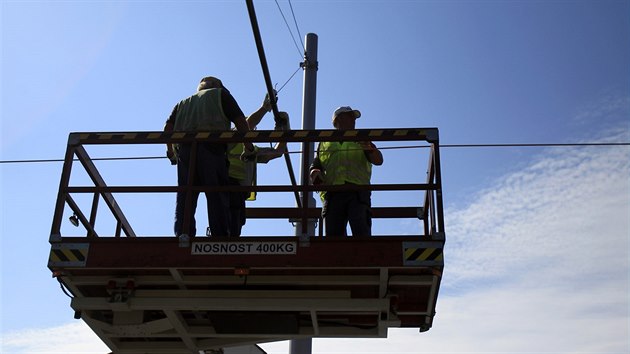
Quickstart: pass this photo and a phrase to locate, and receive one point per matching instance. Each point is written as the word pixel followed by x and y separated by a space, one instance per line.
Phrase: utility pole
pixel 305 346
pixel 309 96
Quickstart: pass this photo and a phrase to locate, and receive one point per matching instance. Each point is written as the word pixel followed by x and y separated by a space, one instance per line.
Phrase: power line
pixel 296 25
pixel 380 148
pixel 300 50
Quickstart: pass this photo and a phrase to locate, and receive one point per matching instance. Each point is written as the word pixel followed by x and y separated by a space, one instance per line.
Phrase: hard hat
pixel 344 109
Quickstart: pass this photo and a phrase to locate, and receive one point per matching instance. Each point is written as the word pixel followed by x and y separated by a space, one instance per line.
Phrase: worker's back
pixel 202 112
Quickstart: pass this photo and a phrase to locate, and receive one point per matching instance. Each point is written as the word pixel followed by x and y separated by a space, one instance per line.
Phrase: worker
pixel 212 108
pixel 243 173
pixel 345 163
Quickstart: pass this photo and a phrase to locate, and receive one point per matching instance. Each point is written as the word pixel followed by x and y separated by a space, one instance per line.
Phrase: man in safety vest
pixel 346 163
pixel 243 173
pixel 211 109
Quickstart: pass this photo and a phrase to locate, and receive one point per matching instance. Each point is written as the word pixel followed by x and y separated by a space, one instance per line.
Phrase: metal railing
pixel 429 210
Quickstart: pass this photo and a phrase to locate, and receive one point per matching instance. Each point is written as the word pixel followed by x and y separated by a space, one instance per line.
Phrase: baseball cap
pixel 209 81
pixel 345 109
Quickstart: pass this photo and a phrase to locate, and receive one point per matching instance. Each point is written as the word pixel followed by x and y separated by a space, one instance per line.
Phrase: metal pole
pixel 309 96
pixel 305 345
pixel 301 346
pixel 267 76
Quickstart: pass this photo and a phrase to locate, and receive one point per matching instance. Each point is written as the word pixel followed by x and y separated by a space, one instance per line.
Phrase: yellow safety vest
pixel 344 163
pixel 202 112
pixel 244 172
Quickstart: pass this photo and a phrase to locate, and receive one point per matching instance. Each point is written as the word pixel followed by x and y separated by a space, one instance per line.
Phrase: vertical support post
pixel 438 182
pixel 55 230
pixel 93 214
pixel 301 346
pixel 310 65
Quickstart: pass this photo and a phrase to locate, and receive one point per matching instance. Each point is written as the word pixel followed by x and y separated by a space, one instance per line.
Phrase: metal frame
pixel 147 294
pixel 431 214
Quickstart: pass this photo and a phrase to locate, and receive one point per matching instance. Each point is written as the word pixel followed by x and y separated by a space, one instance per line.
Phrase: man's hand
pixel 366 145
pixel 171 156
pixel 248 154
pixel 282 121
pixel 316 176
pixel 267 102
pixel 372 153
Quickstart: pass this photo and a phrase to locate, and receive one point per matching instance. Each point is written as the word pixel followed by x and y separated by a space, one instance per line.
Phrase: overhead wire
pixel 296 25
pixel 300 50
pixel 507 145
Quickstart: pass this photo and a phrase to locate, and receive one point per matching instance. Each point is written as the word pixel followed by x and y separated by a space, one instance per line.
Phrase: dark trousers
pixel 211 169
pixel 341 208
pixel 237 210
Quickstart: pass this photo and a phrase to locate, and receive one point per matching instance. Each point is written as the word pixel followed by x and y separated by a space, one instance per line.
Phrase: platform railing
pixel 429 210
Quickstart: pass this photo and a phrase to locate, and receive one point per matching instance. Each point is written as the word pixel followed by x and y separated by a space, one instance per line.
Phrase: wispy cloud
pixel 566 212
pixel 75 337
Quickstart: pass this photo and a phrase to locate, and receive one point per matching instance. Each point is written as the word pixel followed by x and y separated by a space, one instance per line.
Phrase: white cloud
pixel 567 212
pixel 75 337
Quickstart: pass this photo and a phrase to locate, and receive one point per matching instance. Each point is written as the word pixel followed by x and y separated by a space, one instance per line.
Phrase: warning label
pixel 225 248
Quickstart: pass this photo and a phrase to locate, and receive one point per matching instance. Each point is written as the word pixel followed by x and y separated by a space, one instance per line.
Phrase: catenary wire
pixel 380 148
pixel 300 50
pixel 296 26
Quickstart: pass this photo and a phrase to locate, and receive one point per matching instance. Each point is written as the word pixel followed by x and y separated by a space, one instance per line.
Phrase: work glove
pixel 267 102
pixel 248 155
pixel 282 121
pixel 171 156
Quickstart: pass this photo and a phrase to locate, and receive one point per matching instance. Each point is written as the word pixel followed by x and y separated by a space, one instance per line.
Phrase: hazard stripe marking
pixel 376 133
pixel 68 255
pixel 132 137
pixel 251 134
pixel 421 253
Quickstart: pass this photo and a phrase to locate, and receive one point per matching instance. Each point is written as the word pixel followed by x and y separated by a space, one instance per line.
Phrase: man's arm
pixel 168 127
pixel 254 119
pixel 372 153
pixel 234 113
pixel 316 169
pixel 265 155
pixel 242 127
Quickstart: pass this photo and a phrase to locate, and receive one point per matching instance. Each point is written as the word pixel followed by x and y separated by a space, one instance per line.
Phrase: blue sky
pixel 537 238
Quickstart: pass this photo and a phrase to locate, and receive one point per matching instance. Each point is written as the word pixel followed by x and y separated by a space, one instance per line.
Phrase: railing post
pixel 438 192
pixel 55 231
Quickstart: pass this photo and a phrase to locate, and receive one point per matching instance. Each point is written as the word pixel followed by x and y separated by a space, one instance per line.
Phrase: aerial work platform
pixel 152 294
